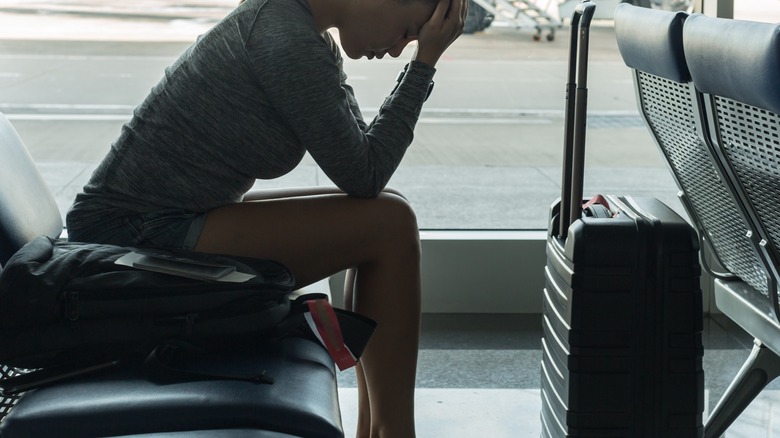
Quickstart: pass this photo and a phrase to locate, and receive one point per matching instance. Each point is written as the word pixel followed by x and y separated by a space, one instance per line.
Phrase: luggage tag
pixel 324 324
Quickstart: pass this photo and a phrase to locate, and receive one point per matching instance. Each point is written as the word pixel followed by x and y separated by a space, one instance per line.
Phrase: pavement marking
pixel 68 117
pixel 88 57
pixel 480 121
pixel 430 116
pixel 66 107
pixel 422 120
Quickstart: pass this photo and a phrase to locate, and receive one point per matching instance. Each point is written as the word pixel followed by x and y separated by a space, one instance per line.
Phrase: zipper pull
pixel 191 318
pixel 72 305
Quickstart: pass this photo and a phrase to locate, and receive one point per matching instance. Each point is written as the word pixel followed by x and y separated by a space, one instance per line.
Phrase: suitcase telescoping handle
pixel 575 118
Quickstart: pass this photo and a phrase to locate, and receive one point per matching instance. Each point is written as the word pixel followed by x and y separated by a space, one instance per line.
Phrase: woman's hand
pixel 441 30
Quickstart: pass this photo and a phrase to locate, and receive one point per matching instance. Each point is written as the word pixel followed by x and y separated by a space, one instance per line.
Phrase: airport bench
pixel 302 401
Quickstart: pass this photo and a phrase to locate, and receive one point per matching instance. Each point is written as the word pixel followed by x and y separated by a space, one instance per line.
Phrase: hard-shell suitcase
pixel 622 316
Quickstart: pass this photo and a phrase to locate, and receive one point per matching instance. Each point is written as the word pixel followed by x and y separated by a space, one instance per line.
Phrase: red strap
pixel 323 322
pixel 598 199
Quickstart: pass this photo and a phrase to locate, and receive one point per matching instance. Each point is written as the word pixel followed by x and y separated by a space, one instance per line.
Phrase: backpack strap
pixel 21 382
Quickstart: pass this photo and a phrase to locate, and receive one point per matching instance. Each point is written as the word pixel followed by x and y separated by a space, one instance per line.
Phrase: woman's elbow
pixel 368 188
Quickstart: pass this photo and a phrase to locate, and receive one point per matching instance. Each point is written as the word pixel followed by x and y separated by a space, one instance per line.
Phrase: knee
pixel 398 211
pixel 397 220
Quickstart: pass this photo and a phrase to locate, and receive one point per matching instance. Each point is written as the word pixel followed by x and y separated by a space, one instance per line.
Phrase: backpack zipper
pixel 72 305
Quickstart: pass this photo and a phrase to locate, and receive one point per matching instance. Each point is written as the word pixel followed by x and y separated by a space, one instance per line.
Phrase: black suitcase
pixel 622 316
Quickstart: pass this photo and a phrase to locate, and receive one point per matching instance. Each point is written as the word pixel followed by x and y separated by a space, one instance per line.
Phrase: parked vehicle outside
pixel 525 13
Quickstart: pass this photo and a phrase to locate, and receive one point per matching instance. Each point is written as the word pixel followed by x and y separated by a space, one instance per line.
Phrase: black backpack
pixel 63 302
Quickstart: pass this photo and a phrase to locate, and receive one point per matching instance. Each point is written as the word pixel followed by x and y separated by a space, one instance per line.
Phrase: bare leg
pixel 364 406
pixel 317 236
pixel 293 192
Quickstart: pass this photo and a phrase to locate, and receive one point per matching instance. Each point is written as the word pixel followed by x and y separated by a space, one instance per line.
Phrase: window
pixel 487 148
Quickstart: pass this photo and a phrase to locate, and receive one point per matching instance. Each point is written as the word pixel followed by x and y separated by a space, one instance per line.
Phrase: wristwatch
pixel 401 75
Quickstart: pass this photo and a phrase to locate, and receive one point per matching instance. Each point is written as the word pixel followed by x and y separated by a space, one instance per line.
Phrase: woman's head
pixel 374 28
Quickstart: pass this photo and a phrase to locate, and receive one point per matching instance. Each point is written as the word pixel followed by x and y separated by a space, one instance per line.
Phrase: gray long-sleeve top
pixel 246 102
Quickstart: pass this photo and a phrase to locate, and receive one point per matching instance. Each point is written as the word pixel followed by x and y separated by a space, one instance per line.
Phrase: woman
pixel 246 101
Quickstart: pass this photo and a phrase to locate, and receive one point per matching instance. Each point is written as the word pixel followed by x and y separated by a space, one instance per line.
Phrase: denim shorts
pixel 170 228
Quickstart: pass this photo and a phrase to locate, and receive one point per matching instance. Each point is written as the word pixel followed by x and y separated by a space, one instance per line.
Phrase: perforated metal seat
pixel 655 46
pixel 736 64
pixel 670 106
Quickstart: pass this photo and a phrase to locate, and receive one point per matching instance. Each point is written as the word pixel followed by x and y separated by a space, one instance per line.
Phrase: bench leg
pixel 760 368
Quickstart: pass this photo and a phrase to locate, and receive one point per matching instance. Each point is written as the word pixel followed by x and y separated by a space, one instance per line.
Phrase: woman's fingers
pixel 439 16
pixel 442 9
pixel 441 30
pixel 456 17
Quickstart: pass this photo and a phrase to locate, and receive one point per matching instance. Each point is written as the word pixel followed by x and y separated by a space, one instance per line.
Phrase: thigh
pixel 294 192
pixel 314 235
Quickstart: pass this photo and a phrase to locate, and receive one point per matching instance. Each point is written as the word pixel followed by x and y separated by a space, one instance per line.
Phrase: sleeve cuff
pixel 418 75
